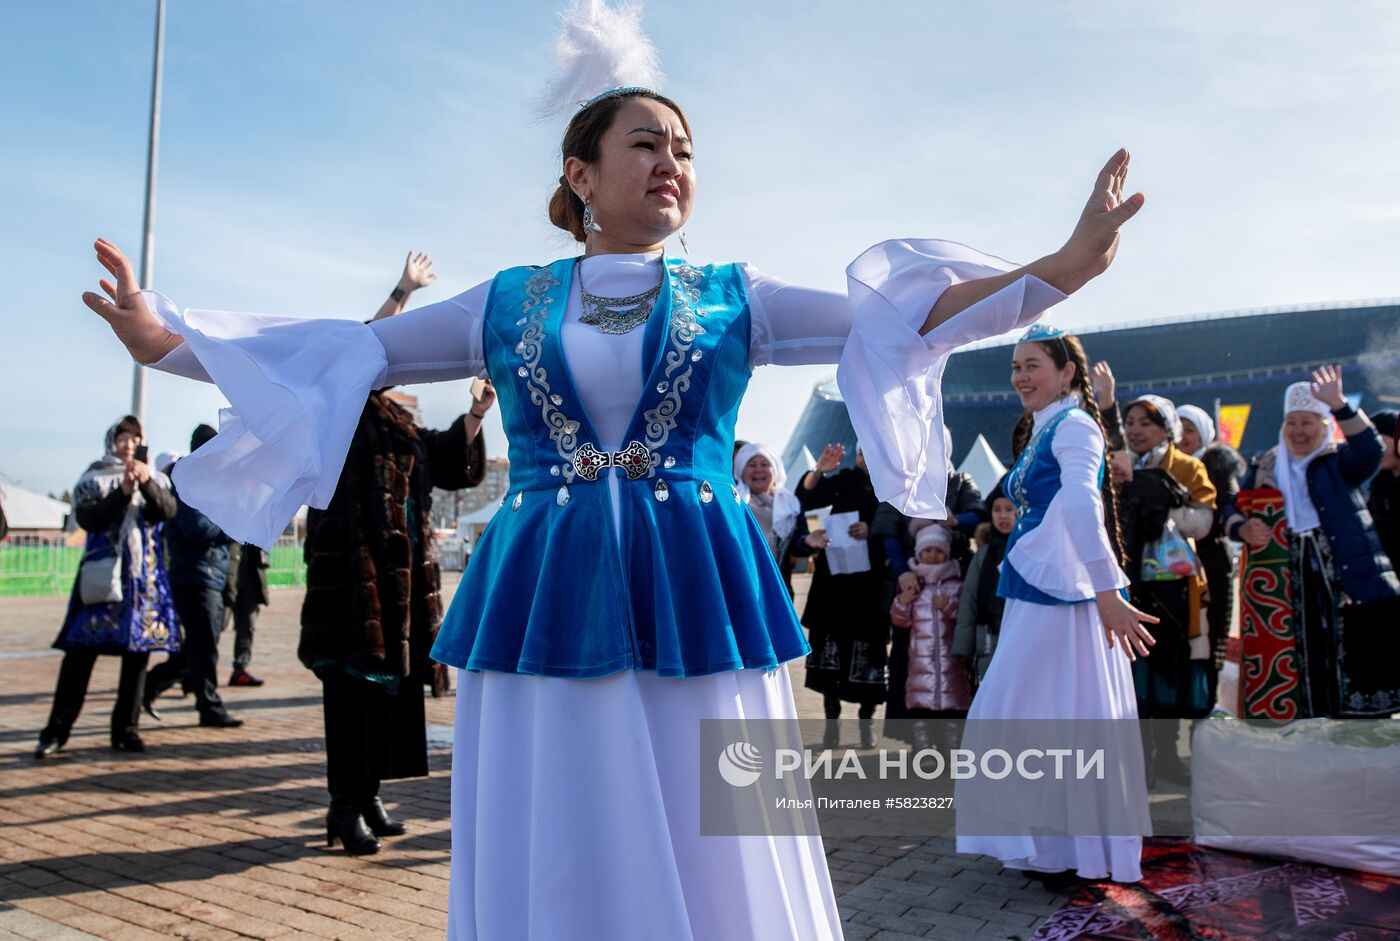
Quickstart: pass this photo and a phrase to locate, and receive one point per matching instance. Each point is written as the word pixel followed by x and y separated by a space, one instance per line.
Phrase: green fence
pixel 31 565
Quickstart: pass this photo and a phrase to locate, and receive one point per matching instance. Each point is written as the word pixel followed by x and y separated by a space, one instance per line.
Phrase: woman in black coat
pixel 848 631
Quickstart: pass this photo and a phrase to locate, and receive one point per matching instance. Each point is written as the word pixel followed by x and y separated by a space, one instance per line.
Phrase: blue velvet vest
pixel 690 588
pixel 1031 484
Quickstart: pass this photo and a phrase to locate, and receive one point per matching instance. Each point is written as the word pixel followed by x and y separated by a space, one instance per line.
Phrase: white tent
pixel 982 466
pixel 26 509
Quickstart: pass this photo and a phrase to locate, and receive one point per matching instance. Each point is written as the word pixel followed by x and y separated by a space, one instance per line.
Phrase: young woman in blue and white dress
pixel 1067 635
pixel 575 762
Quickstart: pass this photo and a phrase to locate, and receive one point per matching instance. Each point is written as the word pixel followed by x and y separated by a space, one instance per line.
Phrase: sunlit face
pixel 642 185
pixel 125 446
pixel 1390 460
pixel 1036 378
pixel 1003 515
pixel 1142 431
pixel 758 474
pixel 1304 432
pixel 1190 437
pixel 933 555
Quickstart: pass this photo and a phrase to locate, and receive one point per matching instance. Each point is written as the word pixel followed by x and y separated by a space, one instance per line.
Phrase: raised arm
pixel 417 273
pixel 1086 255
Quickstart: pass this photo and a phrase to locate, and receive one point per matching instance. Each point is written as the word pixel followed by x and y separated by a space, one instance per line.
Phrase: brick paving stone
pixel 218 834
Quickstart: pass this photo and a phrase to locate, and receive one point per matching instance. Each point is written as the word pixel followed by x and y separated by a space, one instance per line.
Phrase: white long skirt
pixel 1054 662
pixel 576 814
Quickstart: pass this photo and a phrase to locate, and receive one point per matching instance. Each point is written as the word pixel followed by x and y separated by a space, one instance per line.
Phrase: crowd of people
pixel 918 629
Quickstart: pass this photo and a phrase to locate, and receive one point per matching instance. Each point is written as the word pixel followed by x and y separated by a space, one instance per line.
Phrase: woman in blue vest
pixel 1067 636
pixel 623 592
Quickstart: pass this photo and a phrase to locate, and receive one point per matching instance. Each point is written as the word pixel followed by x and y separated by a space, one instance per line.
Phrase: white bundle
pixel 599 47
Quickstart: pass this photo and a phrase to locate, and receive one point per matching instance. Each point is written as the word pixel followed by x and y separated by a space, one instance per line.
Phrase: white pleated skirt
pixel 576 814
pixel 1054 662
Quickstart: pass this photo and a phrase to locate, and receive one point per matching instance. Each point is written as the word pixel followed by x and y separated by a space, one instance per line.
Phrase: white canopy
pixel 26 509
pixel 982 465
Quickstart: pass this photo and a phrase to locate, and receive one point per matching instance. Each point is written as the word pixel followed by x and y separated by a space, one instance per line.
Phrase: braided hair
pixel 1063 350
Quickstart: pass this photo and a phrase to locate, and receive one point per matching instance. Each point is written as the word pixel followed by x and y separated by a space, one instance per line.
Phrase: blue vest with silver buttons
pixel 1031 484
pixel 690 587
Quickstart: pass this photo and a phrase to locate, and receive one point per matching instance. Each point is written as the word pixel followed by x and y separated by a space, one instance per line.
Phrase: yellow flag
pixel 1231 423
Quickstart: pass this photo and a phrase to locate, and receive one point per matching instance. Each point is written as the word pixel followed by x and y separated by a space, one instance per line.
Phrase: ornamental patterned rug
pixel 1190 893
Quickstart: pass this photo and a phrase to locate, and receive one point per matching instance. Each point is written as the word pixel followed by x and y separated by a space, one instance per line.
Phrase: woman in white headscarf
pixel 762 483
pixel 1200 439
pixel 1343 593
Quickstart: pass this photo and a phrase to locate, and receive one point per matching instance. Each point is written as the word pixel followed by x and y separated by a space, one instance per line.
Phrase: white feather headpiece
pixel 599 49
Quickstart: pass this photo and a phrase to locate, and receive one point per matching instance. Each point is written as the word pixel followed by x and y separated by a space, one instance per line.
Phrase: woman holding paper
pixel 848 631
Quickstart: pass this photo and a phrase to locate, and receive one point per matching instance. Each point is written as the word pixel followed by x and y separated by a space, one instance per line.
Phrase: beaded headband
pixel 618 92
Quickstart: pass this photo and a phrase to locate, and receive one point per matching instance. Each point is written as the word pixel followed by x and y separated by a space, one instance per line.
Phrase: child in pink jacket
pixel 938 686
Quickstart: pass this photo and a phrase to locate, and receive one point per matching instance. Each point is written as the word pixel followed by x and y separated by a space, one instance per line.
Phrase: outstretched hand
pixel 1094 241
pixel 830 458
pixel 125 310
pixel 1124 624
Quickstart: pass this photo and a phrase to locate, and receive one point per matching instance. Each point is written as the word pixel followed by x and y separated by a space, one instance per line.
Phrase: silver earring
pixel 684 247
pixel 590 224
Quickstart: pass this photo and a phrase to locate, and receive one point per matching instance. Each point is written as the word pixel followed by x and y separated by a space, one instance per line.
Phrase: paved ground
pixel 215 834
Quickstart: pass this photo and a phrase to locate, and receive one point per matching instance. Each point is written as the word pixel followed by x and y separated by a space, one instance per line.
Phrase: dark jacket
pixel 372 577
pixel 197 549
pixel 103 513
pixel 247 576
pixel 1384 504
pixel 1335 481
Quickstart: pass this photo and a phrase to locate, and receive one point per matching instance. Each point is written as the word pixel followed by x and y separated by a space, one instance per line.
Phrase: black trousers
pixel 371 735
pixel 244 617
pixel 68 696
pixel 832 702
pixel 201 613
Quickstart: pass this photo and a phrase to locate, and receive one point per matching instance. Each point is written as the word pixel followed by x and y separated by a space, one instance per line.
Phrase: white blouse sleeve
pixel 1069 555
pixel 890 375
pixel 296 388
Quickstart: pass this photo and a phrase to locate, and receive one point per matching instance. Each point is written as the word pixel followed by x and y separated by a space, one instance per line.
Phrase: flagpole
pixel 148 236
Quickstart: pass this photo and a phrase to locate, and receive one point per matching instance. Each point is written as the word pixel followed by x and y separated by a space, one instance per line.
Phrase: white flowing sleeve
pixel 1069 555
pixel 296 388
pixel 891 376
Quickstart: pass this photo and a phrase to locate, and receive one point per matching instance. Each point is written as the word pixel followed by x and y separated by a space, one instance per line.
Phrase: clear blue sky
pixel 306 146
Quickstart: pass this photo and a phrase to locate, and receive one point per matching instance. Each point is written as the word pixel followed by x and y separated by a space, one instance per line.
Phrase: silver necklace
pixel 617 315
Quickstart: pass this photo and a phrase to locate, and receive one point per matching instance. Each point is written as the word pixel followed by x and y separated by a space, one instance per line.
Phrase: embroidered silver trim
pixel 563 431
pixel 661 420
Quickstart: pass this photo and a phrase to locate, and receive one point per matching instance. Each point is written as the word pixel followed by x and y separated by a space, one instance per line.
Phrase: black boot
pixel 344 823
pixel 48 747
pixel 868 738
pixel 378 819
pixel 831 737
pixel 128 741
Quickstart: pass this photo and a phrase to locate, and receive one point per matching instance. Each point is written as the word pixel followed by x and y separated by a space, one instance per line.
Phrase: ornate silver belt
pixel 635 459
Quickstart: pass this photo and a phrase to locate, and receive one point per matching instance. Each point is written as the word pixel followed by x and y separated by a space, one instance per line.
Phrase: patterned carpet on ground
pixel 1189 892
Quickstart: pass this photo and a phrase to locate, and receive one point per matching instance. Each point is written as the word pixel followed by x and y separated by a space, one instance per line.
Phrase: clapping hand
pixel 145 337
pixel 1327 386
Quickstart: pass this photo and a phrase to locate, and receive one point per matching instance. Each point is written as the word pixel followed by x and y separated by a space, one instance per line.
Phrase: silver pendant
pixel 562 497
pixel 519 499
pixel 707 493
pixel 617 315
pixel 663 492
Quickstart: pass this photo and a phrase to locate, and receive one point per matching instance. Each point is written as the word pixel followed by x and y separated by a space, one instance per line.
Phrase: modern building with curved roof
pixel 1231 359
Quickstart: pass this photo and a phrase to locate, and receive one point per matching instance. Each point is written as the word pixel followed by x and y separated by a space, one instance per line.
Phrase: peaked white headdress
pixel 600 51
